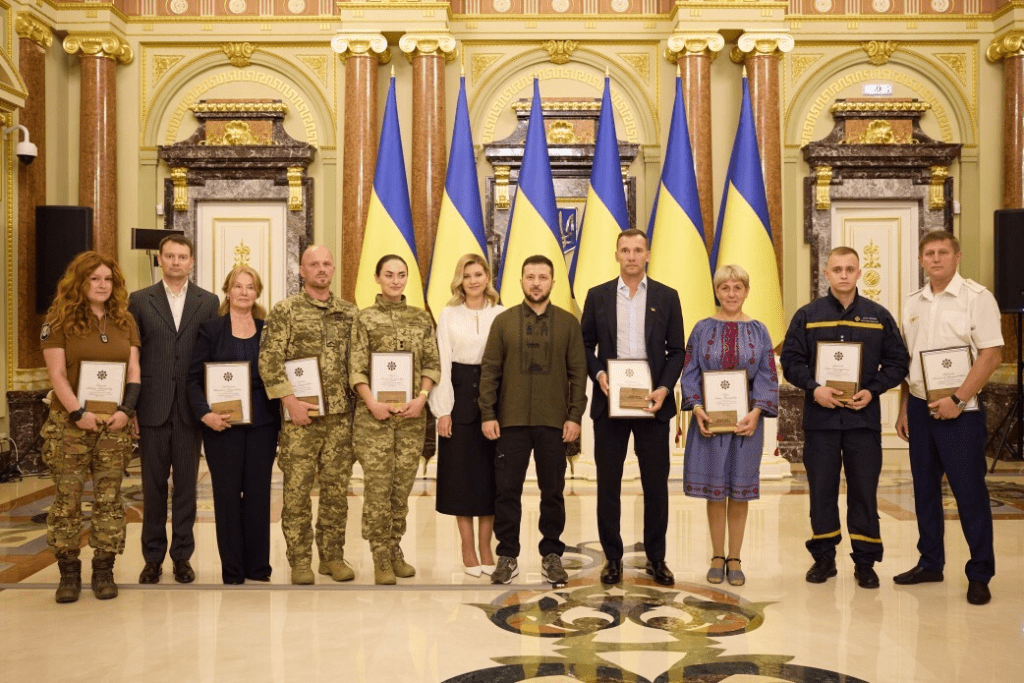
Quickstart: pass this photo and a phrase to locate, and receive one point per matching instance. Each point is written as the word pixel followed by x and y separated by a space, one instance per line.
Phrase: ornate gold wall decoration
pixel 823 177
pixel 317 64
pixel 361 43
pixel 238 53
pixel 801 63
pixel 295 188
pixel 163 63
pixel 879 132
pixel 680 44
pixel 560 50
pixel 236 133
pixel 640 62
pixel 879 51
pixel 480 64
pixel 179 176
pixel 561 133
pixel 957 63
pixel 242 253
pixel 201 107
pixel 99 45
pixel 28 26
pixel 1007 45
pixel 413 44
pixel 936 189
pixel 872 279
pixel 871 253
pixel 501 196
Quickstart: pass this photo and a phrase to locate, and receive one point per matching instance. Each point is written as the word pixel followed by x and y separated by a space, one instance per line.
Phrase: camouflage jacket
pixel 300 327
pixel 389 327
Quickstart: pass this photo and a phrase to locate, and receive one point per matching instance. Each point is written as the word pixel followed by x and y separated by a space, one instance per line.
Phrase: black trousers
pixel 955 448
pixel 858 452
pixel 650 441
pixel 170 449
pixel 511 461
pixel 240 461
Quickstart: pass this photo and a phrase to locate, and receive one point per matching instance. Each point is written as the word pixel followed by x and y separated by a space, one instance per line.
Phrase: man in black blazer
pixel 633 317
pixel 169 314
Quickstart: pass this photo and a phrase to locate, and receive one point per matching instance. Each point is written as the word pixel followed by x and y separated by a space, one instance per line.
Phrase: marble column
pixel 99 56
pixel 35 38
pixel 761 53
pixel 1009 48
pixel 360 53
pixel 693 53
pixel 428 54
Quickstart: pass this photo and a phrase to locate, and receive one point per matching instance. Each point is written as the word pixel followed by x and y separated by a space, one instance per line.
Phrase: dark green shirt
pixel 534 370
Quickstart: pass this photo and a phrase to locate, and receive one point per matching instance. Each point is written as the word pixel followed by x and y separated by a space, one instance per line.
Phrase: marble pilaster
pixel 1009 49
pixel 428 54
pixel 99 55
pixel 361 53
pixel 693 53
pixel 35 38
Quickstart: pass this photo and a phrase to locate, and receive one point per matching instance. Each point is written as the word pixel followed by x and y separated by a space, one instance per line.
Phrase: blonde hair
pixel 731 272
pixel 70 309
pixel 258 311
pixel 458 293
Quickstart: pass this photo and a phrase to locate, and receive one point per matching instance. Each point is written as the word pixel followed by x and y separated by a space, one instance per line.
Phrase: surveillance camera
pixel 27 152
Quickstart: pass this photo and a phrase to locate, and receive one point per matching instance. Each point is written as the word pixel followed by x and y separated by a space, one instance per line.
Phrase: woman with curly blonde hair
pixel 88 321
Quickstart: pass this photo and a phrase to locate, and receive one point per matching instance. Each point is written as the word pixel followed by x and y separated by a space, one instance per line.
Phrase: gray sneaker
pixel 507 570
pixel 551 569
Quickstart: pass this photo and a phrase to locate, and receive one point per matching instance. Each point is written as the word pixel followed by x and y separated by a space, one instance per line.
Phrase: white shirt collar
pixel 642 285
pixel 170 292
pixel 954 287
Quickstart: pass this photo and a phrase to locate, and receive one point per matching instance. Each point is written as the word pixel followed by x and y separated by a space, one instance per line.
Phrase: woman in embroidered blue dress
pixel 725 468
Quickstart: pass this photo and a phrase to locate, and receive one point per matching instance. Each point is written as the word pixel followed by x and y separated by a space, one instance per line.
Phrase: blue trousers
pixel 955 448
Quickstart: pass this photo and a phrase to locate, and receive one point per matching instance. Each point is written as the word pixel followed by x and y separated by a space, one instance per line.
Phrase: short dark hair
pixel 632 232
pixel 939 236
pixel 177 239
pixel 843 251
pixel 389 257
pixel 538 259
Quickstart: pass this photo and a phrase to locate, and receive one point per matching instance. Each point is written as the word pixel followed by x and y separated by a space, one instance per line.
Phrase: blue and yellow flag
pixel 605 215
pixel 679 258
pixel 460 227
pixel 389 217
pixel 744 235
pixel 533 228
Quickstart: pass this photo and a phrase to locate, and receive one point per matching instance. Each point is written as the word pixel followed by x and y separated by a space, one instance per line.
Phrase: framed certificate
pixel 304 375
pixel 228 391
pixel 944 370
pixel 391 379
pixel 101 386
pixel 838 366
pixel 629 382
pixel 726 398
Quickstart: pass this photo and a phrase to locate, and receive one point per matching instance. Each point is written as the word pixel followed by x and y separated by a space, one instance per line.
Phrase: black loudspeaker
pixel 62 233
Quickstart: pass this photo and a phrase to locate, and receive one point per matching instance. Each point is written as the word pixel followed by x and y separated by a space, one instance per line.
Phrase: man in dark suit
pixel 169 315
pixel 633 317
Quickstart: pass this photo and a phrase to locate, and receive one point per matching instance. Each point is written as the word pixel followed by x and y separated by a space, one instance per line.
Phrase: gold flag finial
pixel 744 70
pixel 679 70
pixel 393 71
pixel 607 72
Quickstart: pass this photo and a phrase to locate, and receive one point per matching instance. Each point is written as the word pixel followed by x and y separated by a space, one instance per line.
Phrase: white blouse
pixel 461 338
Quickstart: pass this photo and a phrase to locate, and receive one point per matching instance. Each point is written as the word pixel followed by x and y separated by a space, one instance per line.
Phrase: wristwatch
pixel 959 404
pixel 76 415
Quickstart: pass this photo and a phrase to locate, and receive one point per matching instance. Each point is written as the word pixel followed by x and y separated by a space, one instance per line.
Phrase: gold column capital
pixel 688 44
pixel 1009 44
pixel 754 43
pixel 99 45
pixel 435 44
pixel 29 26
pixel 238 53
pixel 355 43
pixel 559 51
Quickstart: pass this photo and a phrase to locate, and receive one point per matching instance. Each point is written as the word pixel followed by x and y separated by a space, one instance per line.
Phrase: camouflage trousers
pixel 322 449
pixel 389 453
pixel 72 455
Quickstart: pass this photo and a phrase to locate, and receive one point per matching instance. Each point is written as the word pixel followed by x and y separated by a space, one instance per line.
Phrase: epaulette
pixel 975 287
pixel 916 292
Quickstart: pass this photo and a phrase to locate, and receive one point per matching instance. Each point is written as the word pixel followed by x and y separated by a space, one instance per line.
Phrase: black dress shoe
pixel 917 575
pixel 977 593
pixel 866 576
pixel 821 571
pixel 661 573
pixel 612 572
pixel 151 573
pixel 183 572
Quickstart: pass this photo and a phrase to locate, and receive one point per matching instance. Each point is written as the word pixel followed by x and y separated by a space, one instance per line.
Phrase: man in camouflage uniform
pixel 313 322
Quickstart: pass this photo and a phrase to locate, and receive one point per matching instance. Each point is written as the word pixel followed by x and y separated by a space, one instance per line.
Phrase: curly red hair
pixel 70 308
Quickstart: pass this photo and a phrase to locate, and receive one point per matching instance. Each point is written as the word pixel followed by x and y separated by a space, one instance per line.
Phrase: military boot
pixel 402 569
pixel 103 586
pixel 337 570
pixel 383 574
pixel 302 575
pixel 70 580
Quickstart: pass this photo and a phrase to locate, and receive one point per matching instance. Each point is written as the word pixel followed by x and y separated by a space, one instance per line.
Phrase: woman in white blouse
pixel 465 462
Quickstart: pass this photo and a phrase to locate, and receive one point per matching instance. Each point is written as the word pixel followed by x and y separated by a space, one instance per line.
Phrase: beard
pixel 537 299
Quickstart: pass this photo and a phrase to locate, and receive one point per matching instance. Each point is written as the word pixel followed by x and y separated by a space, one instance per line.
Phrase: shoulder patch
pixel 44 334
pixel 975 287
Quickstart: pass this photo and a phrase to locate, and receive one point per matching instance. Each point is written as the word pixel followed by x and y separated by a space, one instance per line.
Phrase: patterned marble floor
pixel 443 625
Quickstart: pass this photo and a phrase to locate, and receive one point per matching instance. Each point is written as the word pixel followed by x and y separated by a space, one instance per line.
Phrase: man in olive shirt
pixel 532 397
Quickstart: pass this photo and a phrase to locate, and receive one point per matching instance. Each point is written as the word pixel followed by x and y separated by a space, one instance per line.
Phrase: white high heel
pixel 475 572
pixel 488 569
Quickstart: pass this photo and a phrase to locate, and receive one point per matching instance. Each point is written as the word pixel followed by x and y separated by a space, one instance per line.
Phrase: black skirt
pixel 465 461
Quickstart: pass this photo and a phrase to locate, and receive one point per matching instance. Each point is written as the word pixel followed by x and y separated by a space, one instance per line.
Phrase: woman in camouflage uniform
pixel 390 438
pixel 88 320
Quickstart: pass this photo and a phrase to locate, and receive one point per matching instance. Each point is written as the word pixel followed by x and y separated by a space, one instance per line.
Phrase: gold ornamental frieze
pixel 432 44
pixel 879 51
pixel 236 134
pixel 205 107
pixel 560 51
pixel 28 26
pixel 1007 45
pixel 361 43
pixel 902 106
pixel 686 44
pixel 567 105
pixel 238 54
pixel 99 45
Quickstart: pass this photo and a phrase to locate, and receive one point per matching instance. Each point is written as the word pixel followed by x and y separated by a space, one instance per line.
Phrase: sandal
pixel 716 574
pixel 736 577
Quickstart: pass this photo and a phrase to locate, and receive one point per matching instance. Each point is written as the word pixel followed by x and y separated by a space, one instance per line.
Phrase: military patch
pixel 44 334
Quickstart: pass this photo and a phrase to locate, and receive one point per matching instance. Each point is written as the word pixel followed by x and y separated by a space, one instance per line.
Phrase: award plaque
pixel 101 387
pixel 629 383
pixel 944 370
pixel 228 391
pixel 726 398
pixel 838 367
pixel 391 377
pixel 304 375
